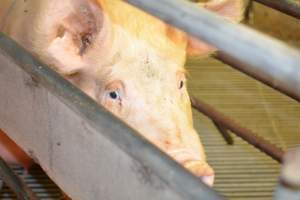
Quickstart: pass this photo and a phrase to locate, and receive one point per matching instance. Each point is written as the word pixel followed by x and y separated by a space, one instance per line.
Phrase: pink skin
pixel 128 61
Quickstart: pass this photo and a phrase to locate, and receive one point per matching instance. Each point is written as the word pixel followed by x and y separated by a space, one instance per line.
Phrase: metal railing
pixel 112 128
pixel 272 60
pixel 265 59
pixel 289 7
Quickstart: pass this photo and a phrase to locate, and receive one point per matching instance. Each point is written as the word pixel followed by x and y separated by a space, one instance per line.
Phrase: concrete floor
pixel 242 172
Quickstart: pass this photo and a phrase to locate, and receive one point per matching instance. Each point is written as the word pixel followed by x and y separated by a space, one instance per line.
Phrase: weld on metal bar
pixel 265 146
pixel 246 69
pixel 176 178
pixel 267 57
pixel 289 7
pixel 17 185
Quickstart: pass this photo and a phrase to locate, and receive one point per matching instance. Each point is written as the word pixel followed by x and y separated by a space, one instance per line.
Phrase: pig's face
pixel 142 81
pixel 147 88
pixel 126 60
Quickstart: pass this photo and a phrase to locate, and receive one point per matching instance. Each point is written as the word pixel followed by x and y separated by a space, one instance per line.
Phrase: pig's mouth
pixel 193 163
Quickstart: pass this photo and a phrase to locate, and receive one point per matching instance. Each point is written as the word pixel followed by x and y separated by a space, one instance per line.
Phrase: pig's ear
pixel 232 10
pixel 76 33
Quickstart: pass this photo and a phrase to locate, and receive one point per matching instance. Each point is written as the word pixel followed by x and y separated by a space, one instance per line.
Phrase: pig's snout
pixel 196 166
pixel 202 170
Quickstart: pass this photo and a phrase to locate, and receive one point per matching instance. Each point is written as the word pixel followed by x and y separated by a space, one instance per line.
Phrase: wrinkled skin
pixel 125 59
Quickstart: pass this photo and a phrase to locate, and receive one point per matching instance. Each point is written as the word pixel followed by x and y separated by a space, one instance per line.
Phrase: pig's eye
pixel 114 92
pixel 181 84
pixel 180 76
pixel 114 95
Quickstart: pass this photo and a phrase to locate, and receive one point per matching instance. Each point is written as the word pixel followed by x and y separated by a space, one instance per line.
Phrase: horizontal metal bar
pixel 268 57
pixel 268 80
pixel 257 141
pixel 289 7
pixel 97 118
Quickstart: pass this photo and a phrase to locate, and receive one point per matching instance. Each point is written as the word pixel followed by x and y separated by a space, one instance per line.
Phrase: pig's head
pixel 131 63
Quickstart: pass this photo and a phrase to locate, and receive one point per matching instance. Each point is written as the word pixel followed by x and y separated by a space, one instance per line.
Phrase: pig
pixel 125 59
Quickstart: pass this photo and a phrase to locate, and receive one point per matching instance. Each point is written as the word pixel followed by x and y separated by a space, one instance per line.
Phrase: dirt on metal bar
pixel 257 141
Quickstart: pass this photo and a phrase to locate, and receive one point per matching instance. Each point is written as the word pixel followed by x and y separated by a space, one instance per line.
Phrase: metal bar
pixel 17 185
pixel 264 55
pixel 289 183
pixel 246 69
pixel 224 132
pixel 79 129
pixel 289 7
pixel 265 146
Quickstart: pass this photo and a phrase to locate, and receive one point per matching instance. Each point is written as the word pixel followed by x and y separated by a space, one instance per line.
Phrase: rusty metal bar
pixel 268 80
pixel 22 191
pixel 257 141
pixel 289 7
pixel 224 132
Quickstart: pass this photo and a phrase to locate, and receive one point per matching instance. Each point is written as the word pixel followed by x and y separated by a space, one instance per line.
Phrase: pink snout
pixel 192 162
pixel 202 170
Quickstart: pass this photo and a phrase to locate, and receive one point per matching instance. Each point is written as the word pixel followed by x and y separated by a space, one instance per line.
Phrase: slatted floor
pixel 242 172
pixel 43 187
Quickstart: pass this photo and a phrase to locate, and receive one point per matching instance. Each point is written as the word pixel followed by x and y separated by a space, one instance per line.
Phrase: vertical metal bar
pixel 289 7
pixel 224 132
